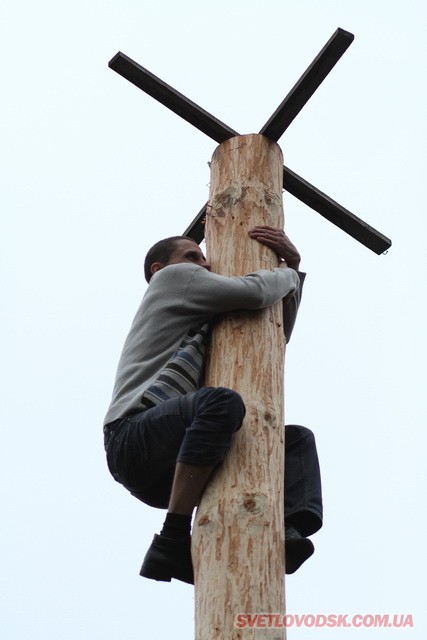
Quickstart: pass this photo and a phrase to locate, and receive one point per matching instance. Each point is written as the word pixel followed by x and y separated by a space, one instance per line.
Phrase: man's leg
pixel 189 482
pixel 303 495
pixel 188 485
pixel 212 416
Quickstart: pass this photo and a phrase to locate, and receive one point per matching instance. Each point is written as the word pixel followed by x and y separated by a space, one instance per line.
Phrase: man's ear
pixel 156 266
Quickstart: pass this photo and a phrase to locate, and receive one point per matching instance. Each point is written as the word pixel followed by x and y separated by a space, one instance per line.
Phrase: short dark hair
pixel 161 252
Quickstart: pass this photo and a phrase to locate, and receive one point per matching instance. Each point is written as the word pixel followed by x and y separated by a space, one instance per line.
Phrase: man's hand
pixel 277 240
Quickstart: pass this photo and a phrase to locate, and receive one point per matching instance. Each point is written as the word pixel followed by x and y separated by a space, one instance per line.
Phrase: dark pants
pixel 196 428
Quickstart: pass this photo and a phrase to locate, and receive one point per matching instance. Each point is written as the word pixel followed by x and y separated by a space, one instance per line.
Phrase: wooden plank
pixel 169 97
pixel 302 91
pixel 334 212
pixel 220 132
pixel 196 230
pixel 320 202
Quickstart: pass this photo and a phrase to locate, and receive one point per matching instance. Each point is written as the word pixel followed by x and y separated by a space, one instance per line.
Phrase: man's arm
pixel 290 308
pixel 206 293
pixel 210 293
pixel 289 257
pixel 277 240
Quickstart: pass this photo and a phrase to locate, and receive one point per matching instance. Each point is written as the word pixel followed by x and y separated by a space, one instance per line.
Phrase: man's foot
pixel 168 558
pixel 297 549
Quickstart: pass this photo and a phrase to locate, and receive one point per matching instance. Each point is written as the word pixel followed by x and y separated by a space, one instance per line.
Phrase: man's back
pixel 180 299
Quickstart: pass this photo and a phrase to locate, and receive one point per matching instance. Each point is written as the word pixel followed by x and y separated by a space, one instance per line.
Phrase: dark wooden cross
pixel 273 129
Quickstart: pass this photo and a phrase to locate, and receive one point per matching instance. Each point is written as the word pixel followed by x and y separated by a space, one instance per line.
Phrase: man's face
pixel 185 251
pixel 189 251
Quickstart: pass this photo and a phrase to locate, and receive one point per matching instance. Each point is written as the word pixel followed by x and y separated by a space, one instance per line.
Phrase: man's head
pixel 173 250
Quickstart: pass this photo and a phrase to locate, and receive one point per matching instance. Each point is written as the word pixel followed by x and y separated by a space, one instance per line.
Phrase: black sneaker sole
pixel 297 552
pixel 154 573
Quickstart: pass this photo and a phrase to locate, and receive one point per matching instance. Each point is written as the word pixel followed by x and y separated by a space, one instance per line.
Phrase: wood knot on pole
pixel 272 199
pixel 249 504
pixel 230 196
pixel 268 417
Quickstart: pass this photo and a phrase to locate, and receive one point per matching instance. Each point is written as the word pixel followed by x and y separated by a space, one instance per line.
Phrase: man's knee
pixel 217 413
pixel 295 432
pixel 237 409
pixel 224 406
pixel 228 407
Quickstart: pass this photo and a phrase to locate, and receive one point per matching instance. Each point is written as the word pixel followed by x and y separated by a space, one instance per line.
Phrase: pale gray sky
pixel 93 172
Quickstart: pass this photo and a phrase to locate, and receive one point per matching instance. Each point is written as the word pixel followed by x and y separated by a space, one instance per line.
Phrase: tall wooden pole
pixel 238 535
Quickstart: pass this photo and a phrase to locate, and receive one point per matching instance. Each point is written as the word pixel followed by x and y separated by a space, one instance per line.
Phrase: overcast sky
pixel 93 172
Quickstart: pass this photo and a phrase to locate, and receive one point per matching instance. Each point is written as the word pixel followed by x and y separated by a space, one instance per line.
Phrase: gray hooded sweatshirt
pixel 164 352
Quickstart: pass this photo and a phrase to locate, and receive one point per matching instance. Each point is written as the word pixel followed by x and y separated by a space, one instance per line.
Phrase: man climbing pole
pixel 166 457
pixel 165 433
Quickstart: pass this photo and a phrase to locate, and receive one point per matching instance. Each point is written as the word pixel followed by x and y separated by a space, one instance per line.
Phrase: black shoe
pixel 168 558
pixel 297 549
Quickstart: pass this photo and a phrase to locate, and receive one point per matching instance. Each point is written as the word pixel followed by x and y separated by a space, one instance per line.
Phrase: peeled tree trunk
pixel 238 532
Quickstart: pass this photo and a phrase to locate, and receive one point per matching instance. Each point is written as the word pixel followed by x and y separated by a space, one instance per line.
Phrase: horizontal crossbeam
pixel 334 212
pixel 320 202
pixel 302 91
pixel 171 98
pixel 282 117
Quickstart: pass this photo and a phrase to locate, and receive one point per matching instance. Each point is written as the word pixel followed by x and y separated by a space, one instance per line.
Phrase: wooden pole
pixel 238 535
